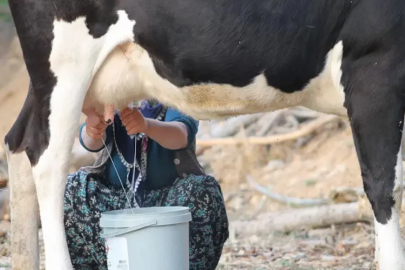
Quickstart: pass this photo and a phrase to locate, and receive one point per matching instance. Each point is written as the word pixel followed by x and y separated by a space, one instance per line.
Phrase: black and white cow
pixel 210 59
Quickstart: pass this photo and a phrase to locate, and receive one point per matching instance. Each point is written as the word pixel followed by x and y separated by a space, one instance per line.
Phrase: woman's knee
pixel 205 200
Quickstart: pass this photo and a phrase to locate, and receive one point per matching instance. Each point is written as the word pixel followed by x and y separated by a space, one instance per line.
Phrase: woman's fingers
pixel 101 126
pixel 132 113
pixel 131 125
pixel 127 120
pixel 125 112
pixel 93 119
pixel 89 111
pixel 94 133
pixel 92 130
pixel 96 136
pixel 95 125
pixel 133 121
pixel 133 131
pixel 132 116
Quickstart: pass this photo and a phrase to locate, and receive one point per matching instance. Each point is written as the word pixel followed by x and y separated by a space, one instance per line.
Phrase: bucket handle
pixel 128 230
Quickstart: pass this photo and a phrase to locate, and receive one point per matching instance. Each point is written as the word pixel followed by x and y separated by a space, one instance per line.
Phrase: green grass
pixel 5 17
pixel 310 182
pixel 4 13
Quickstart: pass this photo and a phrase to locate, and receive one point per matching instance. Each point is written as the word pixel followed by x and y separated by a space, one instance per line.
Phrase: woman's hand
pixel 95 125
pixel 170 135
pixel 134 121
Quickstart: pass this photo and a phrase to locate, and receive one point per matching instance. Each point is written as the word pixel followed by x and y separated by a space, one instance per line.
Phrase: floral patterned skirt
pixel 88 195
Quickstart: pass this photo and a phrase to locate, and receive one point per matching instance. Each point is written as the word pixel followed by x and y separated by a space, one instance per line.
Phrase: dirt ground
pixel 326 162
pixel 310 167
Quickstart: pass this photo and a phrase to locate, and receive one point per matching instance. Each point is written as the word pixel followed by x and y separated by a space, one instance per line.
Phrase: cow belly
pixel 128 75
pixel 324 93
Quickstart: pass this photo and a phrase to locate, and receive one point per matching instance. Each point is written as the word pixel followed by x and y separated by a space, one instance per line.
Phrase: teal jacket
pixel 161 162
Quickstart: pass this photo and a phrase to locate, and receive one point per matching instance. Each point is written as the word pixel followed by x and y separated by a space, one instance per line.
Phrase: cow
pixel 209 59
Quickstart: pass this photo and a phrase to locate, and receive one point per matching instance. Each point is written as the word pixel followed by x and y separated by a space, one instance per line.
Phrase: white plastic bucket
pixel 150 238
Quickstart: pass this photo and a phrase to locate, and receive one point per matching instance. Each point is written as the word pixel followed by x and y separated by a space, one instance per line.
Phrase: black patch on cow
pixel 34 24
pixel 374 81
pixel 30 132
pixel 30 129
pixel 231 42
pixel 100 14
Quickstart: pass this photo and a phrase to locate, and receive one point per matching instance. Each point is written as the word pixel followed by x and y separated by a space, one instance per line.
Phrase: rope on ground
pixel 285 199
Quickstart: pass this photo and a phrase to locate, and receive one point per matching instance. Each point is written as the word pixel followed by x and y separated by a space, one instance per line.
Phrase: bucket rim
pixel 126 218
pixel 147 211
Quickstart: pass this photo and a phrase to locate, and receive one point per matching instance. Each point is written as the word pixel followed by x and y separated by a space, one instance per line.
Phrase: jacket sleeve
pixel 173 115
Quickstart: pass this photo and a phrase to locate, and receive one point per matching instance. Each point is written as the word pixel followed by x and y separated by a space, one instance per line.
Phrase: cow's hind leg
pixel 376 111
pixel 24 212
pixel 24 139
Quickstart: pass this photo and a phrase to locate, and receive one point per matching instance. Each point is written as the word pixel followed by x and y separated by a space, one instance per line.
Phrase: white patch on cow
pixel 74 58
pixel 325 93
pixel 24 208
pixel 399 181
pixel 117 34
pixel 128 74
pixel 389 247
pixel 391 252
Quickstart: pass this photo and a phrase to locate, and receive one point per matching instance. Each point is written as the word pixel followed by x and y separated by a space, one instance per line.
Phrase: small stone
pixel 274 165
pixel 254 239
pixel 328 258
pixel 319 232
pixel 298 256
pixel 330 239
pixel 313 242
pixel 349 242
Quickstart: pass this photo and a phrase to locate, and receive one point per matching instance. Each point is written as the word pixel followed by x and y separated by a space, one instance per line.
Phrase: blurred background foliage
pixel 4 11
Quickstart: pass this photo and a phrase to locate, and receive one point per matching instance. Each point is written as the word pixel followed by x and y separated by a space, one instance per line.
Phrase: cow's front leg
pixel 73 62
pixel 51 170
